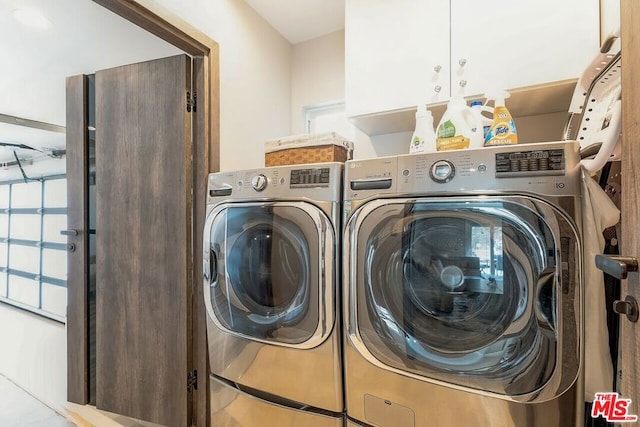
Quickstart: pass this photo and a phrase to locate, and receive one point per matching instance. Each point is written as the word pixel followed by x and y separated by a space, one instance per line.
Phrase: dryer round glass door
pixel 467 291
pixel 266 276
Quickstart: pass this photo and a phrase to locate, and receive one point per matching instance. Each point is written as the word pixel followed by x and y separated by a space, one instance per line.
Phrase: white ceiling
pixel 301 20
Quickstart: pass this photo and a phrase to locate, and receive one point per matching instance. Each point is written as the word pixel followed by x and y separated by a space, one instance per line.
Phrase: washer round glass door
pixel 265 273
pixel 466 291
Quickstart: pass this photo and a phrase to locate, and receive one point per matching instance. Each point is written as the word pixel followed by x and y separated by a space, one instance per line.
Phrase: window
pixel 328 117
pixel 33 254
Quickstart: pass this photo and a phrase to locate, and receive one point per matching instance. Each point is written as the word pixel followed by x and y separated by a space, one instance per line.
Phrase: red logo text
pixel 612 408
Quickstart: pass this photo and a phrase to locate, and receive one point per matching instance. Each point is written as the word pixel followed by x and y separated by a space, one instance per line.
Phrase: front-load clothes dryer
pixel 462 288
pixel 271 294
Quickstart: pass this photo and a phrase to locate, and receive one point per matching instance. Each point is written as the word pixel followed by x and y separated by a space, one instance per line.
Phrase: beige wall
pixel 255 77
pixel 318 78
pixel 317 74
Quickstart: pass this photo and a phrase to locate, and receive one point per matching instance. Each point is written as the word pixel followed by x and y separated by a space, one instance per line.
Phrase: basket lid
pixel 307 140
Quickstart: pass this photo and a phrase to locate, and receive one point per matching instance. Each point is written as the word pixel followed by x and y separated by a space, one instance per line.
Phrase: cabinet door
pixel 392 51
pixel 515 44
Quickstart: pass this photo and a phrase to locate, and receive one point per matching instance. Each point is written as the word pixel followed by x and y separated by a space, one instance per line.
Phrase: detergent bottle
pixel 424 138
pixel 459 127
pixel 478 108
pixel 503 129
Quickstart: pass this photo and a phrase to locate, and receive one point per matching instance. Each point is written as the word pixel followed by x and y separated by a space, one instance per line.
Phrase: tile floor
pixel 19 409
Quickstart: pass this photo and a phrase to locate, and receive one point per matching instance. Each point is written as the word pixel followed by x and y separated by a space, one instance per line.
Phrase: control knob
pixel 442 171
pixel 259 182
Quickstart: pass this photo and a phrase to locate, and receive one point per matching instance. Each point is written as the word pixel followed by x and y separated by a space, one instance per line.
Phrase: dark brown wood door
pixel 143 207
pixel 78 241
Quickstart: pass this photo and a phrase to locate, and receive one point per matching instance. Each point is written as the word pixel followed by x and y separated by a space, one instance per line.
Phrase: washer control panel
pixel 542 168
pixel 530 163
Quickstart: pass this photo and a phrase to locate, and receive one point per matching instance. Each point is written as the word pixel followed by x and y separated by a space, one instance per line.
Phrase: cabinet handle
pixel 437 68
pixel 437 88
pixel 462 62
pixel 616 266
pixel 463 83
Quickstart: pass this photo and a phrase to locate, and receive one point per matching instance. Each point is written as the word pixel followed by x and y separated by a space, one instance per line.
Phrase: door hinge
pixel 192 381
pixel 191 102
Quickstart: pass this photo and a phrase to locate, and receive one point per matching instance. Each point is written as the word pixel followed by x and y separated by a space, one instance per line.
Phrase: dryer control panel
pixel 321 182
pixel 309 178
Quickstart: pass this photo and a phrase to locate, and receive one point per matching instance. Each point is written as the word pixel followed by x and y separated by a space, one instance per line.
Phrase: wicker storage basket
pixel 298 149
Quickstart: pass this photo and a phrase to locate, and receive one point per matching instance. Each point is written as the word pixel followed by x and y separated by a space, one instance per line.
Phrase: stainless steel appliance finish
pixel 462 288
pixel 270 285
pixel 231 407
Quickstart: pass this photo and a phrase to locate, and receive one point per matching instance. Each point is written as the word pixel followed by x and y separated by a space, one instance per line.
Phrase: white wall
pixel 609 18
pixel 37 359
pixel 255 77
pixel 34 349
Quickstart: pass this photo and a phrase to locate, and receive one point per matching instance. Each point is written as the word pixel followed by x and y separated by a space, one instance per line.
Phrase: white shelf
pixel 546 98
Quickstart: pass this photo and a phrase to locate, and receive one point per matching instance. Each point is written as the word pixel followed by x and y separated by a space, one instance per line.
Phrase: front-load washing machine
pixel 463 288
pixel 270 286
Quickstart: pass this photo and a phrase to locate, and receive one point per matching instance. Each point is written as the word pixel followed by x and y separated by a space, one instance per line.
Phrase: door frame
pixel 206 148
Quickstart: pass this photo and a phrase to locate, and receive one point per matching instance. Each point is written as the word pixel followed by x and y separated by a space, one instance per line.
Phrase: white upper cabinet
pixel 399 53
pixel 511 44
pixel 396 54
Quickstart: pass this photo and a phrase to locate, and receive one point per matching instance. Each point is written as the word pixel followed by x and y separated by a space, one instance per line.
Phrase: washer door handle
pixel 616 266
pixel 213 267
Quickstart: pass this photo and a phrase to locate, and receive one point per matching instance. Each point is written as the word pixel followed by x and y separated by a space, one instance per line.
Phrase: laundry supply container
pixel 307 148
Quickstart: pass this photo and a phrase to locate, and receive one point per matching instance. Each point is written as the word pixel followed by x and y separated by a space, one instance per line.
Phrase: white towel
pixel 598 213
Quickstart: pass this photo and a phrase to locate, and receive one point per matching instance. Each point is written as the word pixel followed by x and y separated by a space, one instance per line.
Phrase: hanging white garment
pixel 598 213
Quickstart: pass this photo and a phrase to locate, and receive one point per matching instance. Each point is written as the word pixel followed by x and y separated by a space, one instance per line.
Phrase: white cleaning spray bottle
pixel 424 138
